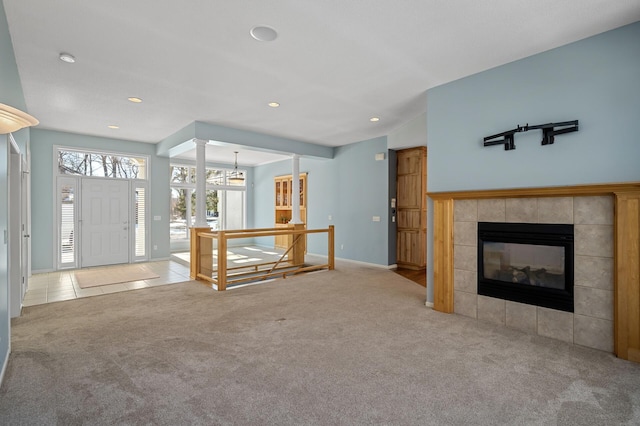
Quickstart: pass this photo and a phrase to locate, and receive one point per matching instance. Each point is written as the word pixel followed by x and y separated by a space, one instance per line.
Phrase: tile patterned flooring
pixel 62 285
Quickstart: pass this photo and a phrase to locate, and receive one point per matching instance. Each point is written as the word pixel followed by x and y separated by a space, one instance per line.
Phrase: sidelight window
pixel 67 224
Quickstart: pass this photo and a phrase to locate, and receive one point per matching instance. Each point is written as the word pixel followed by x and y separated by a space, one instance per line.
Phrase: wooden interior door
pixel 411 208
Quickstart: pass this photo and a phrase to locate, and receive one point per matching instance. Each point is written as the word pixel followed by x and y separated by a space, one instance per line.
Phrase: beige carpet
pixel 354 346
pixel 113 275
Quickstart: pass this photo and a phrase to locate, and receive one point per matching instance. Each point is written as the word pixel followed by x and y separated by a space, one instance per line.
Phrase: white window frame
pixel 58 148
pixel 179 244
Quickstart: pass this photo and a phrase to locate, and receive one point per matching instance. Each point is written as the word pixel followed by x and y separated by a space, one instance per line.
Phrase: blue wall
pixel 42 190
pixel 595 80
pixel 351 188
pixel 362 190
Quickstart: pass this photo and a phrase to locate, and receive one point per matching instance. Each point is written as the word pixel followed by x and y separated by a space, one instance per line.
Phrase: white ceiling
pixel 335 63
pixel 225 154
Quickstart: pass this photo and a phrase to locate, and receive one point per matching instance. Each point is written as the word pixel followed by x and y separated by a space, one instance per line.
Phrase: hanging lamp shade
pixel 12 119
pixel 236 177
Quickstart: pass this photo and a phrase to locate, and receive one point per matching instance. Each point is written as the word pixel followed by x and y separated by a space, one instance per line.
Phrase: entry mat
pixel 113 275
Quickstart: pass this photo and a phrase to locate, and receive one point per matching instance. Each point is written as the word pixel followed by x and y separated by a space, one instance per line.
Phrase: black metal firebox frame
pixel 528 233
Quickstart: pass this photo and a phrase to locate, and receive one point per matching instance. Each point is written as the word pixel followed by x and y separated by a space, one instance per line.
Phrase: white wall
pixel 411 134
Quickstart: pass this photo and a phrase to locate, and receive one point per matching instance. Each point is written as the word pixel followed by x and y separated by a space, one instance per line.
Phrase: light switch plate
pixel 376 218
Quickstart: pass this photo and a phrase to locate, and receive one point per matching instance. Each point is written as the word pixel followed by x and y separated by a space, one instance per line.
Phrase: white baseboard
pixel 42 271
pixel 357 262
pixel 4 364
pixel 373 265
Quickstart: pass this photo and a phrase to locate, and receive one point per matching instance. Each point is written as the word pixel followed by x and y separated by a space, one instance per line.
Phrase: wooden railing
pixel 291 262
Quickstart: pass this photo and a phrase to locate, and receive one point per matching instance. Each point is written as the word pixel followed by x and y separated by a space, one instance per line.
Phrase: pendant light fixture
pixel 236 177
pixel 12 119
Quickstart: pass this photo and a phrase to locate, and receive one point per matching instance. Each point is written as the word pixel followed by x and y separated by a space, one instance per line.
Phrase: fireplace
pixel 527 263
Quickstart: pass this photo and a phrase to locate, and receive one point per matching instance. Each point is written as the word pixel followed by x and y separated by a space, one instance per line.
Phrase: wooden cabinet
pixel 283 186
pixel 412 208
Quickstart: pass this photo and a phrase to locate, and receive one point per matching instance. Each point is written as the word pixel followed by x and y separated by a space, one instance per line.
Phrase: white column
pixel 295 190
pixel 201 184
pixel 187 203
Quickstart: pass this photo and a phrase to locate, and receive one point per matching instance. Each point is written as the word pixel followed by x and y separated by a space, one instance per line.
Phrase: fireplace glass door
pixel 527 264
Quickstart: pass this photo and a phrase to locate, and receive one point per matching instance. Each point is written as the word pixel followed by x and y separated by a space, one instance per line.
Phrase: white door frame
pixel 77 182
pixel 15 231
pixel 26 216
pixel 5 317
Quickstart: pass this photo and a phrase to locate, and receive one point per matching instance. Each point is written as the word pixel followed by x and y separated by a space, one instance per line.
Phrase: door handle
pixel 26 235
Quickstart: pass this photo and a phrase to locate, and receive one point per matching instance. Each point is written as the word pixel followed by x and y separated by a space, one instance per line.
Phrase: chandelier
pixel 237 178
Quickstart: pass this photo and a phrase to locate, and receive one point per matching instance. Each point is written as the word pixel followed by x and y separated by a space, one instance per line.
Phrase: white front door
pixel 105 222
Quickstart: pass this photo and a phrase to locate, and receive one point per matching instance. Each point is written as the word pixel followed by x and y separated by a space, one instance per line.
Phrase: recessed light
pixel 134 100
pixel 113 126
pixel 67 57
pixel 273 104
pixel 262 33
pixel 374 119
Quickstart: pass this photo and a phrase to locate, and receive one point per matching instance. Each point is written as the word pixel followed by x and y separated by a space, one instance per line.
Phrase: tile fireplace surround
pixel 606 219
pixel 591 323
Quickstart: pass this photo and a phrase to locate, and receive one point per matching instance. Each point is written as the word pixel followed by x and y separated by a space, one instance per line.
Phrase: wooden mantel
pixel 626 252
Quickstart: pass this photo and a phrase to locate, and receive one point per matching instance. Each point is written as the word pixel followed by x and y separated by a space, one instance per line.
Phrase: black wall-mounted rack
pixel 549 132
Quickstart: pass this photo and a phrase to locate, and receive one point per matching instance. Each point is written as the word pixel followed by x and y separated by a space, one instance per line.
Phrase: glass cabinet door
pixel 285 193
pixel 278 194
